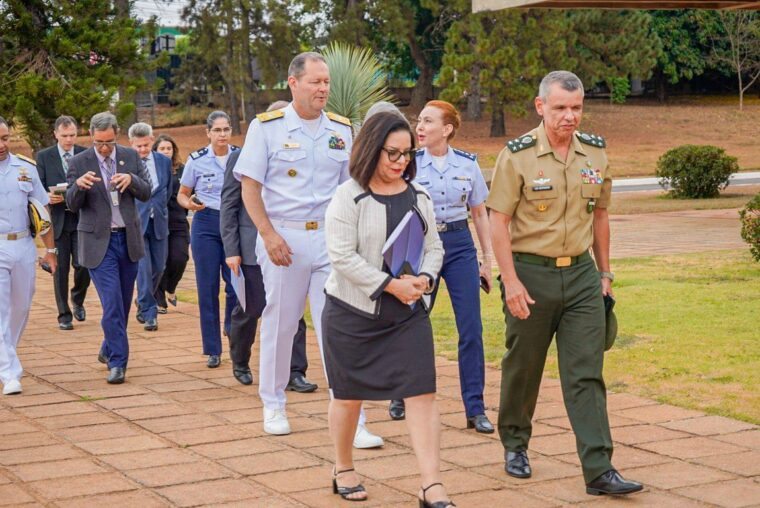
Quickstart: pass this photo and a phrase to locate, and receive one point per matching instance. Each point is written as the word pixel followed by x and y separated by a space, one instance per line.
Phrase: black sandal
pixel 344 492
pixel 438 504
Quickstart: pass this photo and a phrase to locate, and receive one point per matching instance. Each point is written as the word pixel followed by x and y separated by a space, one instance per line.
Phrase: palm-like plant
pixel 356 81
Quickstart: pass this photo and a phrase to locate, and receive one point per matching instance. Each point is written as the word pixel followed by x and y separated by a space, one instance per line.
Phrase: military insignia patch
pixel 593 176
pixel 340 119
pixel 26 159
pixel 270 115
pixel 464 154
pixel 521 143
pixel 199 153
pixel 336 142
pixel 591 139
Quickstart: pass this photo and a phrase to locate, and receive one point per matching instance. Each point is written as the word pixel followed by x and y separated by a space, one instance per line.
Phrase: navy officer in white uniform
pixel 291 163
pixel 18 182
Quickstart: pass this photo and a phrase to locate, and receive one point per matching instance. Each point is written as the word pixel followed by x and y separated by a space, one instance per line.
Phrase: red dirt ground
pixel 637 133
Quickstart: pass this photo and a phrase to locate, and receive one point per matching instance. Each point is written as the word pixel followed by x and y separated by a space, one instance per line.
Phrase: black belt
pixel 560 262
pixel 451 226
pixel 118 230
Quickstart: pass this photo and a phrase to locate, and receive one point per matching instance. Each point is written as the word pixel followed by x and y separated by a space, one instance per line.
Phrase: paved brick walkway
pixel 179 434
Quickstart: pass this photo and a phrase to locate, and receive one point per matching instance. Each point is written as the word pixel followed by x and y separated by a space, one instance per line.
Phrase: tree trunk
pixel 741 91
pixel 497 120
pixel 662 89
pixel 474 111
pixel 249 104
pixel 423 88
pixel 230 75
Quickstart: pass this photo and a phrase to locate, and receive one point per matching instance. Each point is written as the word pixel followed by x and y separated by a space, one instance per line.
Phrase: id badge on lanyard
pixel 114 196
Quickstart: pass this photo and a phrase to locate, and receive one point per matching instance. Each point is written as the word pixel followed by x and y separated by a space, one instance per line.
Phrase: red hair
pixel 450 115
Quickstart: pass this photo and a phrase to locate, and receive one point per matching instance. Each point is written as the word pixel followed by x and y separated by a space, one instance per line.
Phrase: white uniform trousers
pixel 17 273
pixel 286 291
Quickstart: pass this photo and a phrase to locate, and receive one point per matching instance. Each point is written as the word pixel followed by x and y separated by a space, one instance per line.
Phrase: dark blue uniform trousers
pixel 461 273
pixel 208 255
pixel 114 280
pixel 149 272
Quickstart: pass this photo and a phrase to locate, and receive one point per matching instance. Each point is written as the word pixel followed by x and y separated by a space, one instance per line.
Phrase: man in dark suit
pixel 52 164
pixel 104 183
pixel 239 239
pixel 154 217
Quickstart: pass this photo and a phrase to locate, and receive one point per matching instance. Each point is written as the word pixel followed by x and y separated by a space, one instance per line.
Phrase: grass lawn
pixel 688 331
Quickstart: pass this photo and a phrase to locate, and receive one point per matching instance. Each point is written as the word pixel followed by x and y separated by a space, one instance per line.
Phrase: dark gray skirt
pixel 391 357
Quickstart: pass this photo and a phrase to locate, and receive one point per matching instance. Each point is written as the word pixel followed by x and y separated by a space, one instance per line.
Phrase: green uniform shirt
pixel 551 201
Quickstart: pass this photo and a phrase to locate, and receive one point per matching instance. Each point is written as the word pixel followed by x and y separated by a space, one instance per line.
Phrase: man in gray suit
pixel 104 182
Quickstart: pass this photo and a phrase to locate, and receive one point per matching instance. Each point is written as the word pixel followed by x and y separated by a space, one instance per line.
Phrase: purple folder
pixel 404 247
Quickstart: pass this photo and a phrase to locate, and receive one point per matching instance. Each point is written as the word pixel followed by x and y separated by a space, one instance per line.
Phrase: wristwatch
pixel 607 275
pixel 54 250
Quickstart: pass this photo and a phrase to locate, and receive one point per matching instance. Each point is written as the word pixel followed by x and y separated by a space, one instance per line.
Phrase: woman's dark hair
pixel 176 161
pixel 369 143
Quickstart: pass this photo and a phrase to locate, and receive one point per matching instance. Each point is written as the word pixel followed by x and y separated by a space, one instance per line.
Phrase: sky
pixel 167 11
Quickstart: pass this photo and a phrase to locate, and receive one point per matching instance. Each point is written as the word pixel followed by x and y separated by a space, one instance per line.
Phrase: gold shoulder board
pixel 340 119
pixel 270 115
pixel 26 159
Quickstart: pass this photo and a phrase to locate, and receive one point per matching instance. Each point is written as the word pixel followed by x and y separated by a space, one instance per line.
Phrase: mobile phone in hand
pixel 484 285
pixel 46 266
pixel 196 200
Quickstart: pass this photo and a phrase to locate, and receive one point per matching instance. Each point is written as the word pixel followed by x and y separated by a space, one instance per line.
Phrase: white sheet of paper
pixel 238 285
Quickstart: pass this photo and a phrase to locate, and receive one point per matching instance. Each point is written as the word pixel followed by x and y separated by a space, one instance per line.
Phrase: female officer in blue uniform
pixel 204 173
pixel 453 179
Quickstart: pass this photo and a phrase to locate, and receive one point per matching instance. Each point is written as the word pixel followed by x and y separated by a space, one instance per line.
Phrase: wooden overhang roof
pixel 493 5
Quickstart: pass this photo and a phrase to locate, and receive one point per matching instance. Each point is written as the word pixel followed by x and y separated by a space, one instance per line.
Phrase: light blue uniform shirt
pixel 299 170
pixel 205 175
pixel 458 184
pixel 18 180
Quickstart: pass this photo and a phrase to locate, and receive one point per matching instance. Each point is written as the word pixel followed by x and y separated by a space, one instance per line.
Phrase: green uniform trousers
pixel 569 304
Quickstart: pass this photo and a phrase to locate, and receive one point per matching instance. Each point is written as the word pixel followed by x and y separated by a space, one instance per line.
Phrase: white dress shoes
pixel 276 422
pixel 12 387
pixel 365 439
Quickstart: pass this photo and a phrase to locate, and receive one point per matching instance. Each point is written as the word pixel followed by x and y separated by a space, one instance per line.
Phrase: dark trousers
pixel 243 325
pixel 114 279
pixel 461 273
pixel 208 254
pixel 67 257
pixel 176 261
pixel 149 272
pixel 569 304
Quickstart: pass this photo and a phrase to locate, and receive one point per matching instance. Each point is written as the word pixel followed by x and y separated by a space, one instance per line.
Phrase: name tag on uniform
pixel 291 145
pixel 463 178
pixel 542 187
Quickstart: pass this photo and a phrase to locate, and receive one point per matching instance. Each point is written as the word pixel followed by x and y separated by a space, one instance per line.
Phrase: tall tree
pixel 735 40
pixel 613 44
pixel 514 48
pixel 66 58
pixel 683 55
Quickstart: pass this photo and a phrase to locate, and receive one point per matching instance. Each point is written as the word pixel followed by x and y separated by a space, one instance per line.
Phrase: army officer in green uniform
pixel 548 201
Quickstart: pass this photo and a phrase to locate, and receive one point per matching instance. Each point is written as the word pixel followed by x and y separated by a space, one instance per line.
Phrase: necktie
pixel 147 172
pixel 108 168
pixel 66 157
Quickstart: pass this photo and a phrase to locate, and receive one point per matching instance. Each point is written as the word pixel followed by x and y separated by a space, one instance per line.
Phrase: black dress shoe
pixel 102 358
pixel 140 318
pixel 116 375
pixel 161 310
pixel 301 385
pixel 243 375
pixel 480 423
pixel 397 409
pixel 518 464
pixel 66 325
pixel 213 361
pixel 151 325
pixel 79 313
pixel 611 483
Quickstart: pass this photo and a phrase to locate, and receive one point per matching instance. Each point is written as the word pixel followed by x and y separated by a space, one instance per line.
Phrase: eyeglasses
pixel 225 130
pixel 394 154
pixel 100 144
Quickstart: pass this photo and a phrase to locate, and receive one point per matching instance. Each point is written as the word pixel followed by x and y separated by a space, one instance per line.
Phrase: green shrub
pixel 620 88
pixel 695 171
pixel 750 217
